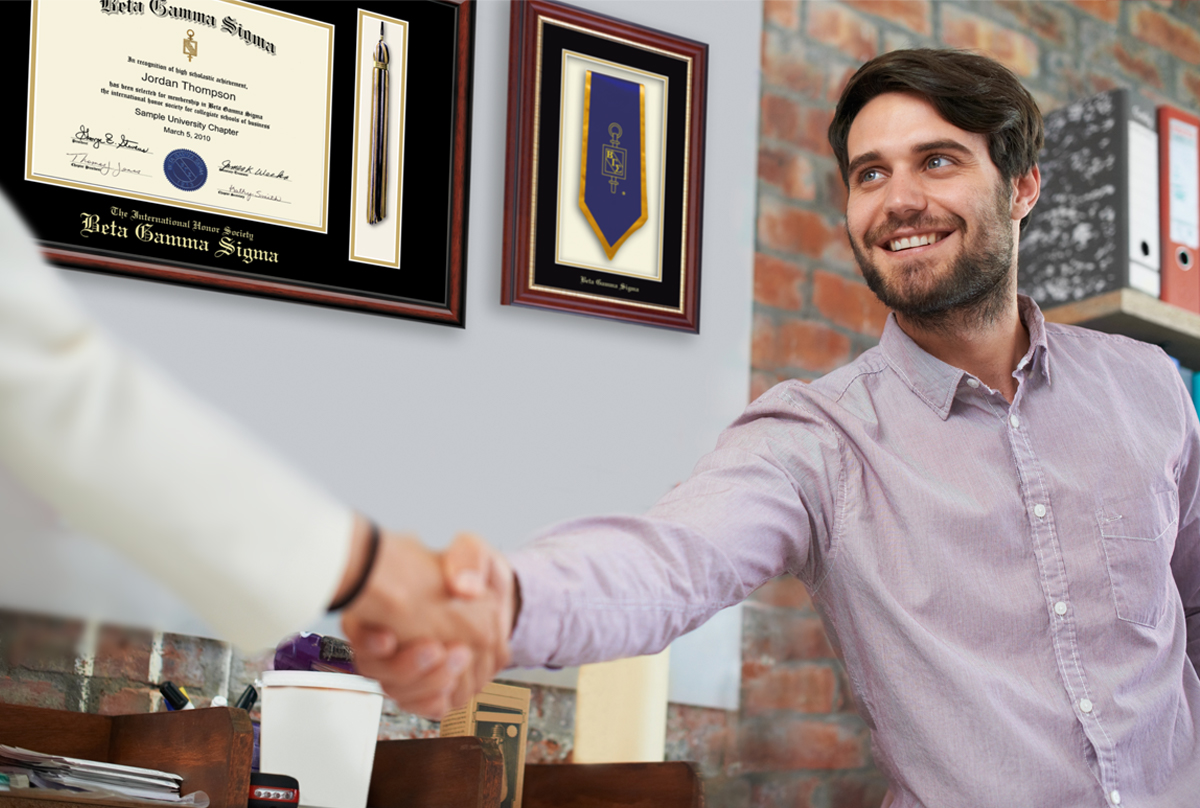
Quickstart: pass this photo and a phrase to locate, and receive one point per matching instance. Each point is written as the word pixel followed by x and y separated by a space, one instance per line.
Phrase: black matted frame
pixel 430 283
pixel 540 33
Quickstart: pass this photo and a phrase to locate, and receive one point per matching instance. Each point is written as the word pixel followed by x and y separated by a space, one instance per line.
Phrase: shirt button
pixel 1085 705
pixel 1014 420
pixel 1115 796
pixel 1039 510
pixel 972 383
pixel 1060 609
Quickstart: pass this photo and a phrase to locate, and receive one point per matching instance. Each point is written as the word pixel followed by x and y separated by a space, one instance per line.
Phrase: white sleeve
pixel 128 457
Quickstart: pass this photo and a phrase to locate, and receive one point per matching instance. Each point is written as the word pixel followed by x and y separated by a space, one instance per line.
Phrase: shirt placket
pixel 1052 575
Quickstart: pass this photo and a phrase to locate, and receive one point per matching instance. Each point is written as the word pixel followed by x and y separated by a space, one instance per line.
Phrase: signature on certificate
pixel 83 135
pixel 106 168
pixel 242 193
pixel 248 170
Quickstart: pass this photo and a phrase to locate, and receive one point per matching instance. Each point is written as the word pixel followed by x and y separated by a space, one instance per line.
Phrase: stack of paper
pixel 95 777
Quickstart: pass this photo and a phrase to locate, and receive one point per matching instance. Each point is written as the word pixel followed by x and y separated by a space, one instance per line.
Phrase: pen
pixel 175 697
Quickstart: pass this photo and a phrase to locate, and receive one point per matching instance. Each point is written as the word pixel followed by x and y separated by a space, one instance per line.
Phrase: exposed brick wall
pixel 798 741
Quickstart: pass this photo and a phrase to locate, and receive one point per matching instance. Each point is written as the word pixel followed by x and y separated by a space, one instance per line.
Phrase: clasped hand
pixel 433 628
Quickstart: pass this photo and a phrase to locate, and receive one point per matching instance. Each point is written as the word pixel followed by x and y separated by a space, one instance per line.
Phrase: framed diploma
pixel 605 176
pixel 310 151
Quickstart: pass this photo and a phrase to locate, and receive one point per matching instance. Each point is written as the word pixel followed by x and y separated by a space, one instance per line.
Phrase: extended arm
pixel 125 455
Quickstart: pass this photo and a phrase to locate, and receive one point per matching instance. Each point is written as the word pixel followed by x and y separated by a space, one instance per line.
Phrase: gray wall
pixel 523 418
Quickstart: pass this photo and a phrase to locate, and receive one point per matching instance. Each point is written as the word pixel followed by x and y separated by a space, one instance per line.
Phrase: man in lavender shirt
pixel 996 516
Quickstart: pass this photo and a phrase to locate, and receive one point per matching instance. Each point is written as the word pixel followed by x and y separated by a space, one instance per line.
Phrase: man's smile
pixel 913 241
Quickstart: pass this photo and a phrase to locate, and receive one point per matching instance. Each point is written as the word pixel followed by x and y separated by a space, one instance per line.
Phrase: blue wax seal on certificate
pixel 185 169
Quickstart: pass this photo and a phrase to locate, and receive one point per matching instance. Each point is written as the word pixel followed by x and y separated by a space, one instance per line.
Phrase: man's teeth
pixel 913 241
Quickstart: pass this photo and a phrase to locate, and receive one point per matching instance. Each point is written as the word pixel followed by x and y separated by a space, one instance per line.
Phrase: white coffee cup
pixel 321 728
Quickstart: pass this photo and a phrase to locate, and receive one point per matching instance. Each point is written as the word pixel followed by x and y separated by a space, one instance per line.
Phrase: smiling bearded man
pixel 997 517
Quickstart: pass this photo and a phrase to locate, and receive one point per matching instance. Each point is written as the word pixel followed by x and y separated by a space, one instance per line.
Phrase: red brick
pixel 762 342
pixel 789 172
pixel 786 63
pixel 1107 10
pixel 838 79
pixel 777 283
pixel 1101 84
pixel 804 126
pixel 126 701
pixel 702 735
pixel 33 693
pixel 848 303
pixel 784 791
pixel 761 382
pixel 42 643
pixel 123 653
pixel 786 592
pixel 805 688
pixel 797 743
pixel 912 14
pixel 780 117
pixel 1141 69
pixel 1191 81
pixel 784 13
pixel 1007 46
pixel 771 635
pixel 193 662
pixel 811 346
pixel 788 229
pixel 1047 20
pixel 1158 29
pixel 835 25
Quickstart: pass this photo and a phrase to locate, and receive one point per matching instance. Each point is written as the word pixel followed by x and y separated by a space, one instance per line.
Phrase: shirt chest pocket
pixel 1137 535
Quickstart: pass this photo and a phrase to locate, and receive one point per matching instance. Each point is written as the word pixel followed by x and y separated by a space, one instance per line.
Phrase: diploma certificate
pixel 212 105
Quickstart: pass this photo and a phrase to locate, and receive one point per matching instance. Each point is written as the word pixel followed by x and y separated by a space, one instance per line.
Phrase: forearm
pixel 126 456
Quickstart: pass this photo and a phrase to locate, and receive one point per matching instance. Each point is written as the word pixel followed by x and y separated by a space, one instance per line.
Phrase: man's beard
pixel 975 287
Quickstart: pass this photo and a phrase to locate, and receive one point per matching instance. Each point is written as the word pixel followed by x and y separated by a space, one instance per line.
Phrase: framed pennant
pixel 605 176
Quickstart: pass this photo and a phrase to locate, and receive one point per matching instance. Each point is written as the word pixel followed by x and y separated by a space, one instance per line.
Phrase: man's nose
pixel 905 194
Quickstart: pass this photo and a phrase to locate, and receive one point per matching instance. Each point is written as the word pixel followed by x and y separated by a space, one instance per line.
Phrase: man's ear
pixel 1026 189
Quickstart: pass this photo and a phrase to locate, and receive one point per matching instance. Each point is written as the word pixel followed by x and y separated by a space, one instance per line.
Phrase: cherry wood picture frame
pixel 541 33
pixel 429 282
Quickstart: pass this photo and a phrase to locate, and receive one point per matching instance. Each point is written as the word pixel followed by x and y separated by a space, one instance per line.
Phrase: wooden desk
pixel 210 748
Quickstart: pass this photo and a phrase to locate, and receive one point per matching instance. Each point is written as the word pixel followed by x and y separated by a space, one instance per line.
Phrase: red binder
pixel 1179 206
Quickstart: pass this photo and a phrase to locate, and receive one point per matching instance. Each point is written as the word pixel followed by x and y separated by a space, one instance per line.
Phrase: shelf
pixel 1136 314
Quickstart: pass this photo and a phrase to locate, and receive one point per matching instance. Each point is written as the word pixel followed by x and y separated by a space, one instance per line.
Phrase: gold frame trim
pixel 323 227
pixel 537 114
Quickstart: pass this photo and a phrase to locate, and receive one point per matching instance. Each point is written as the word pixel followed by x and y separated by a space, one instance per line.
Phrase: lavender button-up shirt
pixel 1015 588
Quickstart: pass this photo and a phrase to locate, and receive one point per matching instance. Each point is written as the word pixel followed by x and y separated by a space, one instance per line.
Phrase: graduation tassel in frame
pixel 377 189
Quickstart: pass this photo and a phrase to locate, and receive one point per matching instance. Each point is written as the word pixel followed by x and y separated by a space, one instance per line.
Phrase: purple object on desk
pixel 313 652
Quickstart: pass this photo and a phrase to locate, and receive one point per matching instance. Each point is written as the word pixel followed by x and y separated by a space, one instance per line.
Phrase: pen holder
pixel 321 728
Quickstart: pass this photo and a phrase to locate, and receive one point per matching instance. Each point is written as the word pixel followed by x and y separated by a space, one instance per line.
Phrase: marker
pixel 247 699
pixel 175 697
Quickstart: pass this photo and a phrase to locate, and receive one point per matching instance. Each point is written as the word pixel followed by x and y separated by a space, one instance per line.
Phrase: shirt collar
pixel 934 381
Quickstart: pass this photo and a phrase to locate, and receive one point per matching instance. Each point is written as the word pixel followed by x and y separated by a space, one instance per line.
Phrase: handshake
pixel 433 628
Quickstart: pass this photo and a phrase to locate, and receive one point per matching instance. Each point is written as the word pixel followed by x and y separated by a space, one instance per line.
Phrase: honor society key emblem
pixel 190 46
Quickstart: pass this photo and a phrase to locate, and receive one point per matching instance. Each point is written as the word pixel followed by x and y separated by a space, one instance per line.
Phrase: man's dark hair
pixel 975 93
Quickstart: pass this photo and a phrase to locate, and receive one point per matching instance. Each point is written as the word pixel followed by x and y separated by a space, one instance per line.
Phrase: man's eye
pixel 869 175
pixel 938 161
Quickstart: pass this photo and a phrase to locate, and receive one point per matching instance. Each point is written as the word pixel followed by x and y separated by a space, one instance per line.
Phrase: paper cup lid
pixel 334 681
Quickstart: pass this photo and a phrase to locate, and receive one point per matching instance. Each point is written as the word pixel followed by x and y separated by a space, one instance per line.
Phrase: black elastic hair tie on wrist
pixel 372 549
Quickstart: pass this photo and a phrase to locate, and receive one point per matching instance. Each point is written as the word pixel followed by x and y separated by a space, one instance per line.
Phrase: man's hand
pixel 433 629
